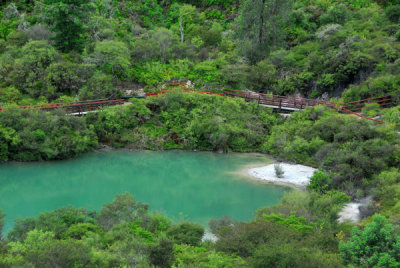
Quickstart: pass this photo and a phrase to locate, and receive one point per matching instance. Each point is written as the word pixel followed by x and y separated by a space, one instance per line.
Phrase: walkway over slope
pixel 278 103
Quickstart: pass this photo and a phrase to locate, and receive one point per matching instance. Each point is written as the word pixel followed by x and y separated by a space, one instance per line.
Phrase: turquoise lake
pixel 194 186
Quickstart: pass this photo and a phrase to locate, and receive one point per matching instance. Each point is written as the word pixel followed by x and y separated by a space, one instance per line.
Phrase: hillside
pixel 101 48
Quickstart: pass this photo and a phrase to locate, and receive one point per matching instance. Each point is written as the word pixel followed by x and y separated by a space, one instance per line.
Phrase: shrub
pixel 112 57
pixel 215 224
pixel 162 254
pixel 320 181
pixel 99 86
pixel 278 171
pixel 9 94
pixel 38 32
pixel 187 233
pixel 377 245
pixel 17 38
pixel 11 11
pixel 327 31
pixel 371 109
pixel 393 13
pixel 336 14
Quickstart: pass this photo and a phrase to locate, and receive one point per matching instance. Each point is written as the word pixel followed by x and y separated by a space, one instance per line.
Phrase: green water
pixel 184 185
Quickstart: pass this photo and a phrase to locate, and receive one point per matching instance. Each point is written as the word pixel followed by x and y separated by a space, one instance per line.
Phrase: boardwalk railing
pixel 370 119
pixel 354 106
pixel 78 108
pixel 269 100
pixel 275 101
pixel 162 92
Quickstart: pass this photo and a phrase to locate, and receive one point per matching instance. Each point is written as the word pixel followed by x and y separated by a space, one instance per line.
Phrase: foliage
pixel 371 110
pixel 314 48
pixel 387 192
pixel 278 171
pixel 200 256
pixel 280 240
pixel 392 115
pixel 184 120
pixel 28 71
pixel 162 254
pixel 77 237
pixel 320 181
pixel 112 58
pixel 123 208
pixel 187 233
pixel 349 151
pixel 377 245
pixel 309 48
pixel 65 18
pixel 38 135
pixel 298 223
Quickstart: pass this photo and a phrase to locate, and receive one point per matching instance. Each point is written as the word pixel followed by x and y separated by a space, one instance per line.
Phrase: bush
pixel 377 245
pixel 20 140
pixel 327 31
pixel 371 109
pixel 278 171
pixel 320 182
pixel 162 254
pixel 393 13
pixel 215 224
pixel 38 32
pixel 66 78
pixel 11 11
pixel 29 70
pixel 290 255
pixel 112 57
pixel 99 86
pixel 9 95
pixel 338 14
pixel 187 233
pixel 17 38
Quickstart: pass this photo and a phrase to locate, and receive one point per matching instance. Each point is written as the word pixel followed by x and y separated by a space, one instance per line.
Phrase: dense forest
pixel 54 51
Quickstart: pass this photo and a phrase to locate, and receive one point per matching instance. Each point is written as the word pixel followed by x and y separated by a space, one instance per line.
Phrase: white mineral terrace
pixel 299 176
pixel 293 175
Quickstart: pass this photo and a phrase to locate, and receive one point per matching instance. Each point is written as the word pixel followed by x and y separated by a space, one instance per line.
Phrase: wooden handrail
pixel 374 98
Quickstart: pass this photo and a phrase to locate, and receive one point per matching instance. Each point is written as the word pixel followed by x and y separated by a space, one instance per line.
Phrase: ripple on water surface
pixel 195 186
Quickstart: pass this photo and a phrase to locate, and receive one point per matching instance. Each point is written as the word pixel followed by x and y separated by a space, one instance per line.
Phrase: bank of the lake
pixel 297 176
pixel 195 186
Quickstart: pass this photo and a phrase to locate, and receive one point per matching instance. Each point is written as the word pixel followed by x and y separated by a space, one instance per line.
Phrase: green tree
pixel 186 15
pixel 112 57
pixel 99 86
pixel 378 245
pixel 164 38
pixel 41 249
pixel 66 78
pixel 66 18
pixel 123 208
pixel 29 70
pixel 187 233
pixel 162 254
pixel 261 26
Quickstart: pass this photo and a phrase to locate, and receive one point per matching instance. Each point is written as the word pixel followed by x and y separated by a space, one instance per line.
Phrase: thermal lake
pixel 194 186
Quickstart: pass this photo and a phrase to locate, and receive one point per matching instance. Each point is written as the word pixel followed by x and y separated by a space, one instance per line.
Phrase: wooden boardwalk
pixel 356 106
pixel 79 108
pixel 278 103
